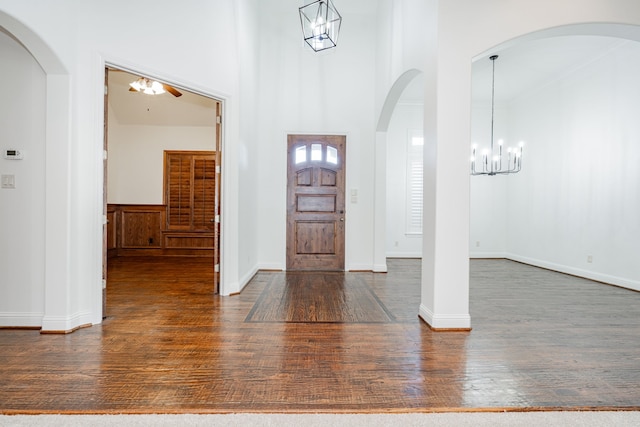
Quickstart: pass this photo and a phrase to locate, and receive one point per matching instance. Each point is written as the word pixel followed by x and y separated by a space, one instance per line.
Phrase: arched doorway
pixel 571 96
pixel 52 259
pixel 382 138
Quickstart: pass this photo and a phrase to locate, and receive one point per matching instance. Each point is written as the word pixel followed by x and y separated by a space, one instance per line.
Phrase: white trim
pixel 66 323
pixel 380 268
pixel 404 254
pixel 271 266
pixel 359 267
pixel 488 255
pixel 444 321
pixel 592 275
pixel 244 280
pixel 28 320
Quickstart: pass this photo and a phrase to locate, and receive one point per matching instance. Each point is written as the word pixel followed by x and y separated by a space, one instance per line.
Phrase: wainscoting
pixel 141 230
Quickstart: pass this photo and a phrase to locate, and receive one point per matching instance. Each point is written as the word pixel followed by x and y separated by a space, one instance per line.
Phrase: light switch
pixel 354 195
pixel 8 181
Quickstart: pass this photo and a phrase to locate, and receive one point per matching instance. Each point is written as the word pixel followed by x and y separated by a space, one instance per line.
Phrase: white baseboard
pixel 26 320
pixel 271 266
pixel 359 267
pixel 592 275
pixel 380 268
pixel 66 323
pixel 244 280
pixel 404 254
pixel 478 254
pixel 445 321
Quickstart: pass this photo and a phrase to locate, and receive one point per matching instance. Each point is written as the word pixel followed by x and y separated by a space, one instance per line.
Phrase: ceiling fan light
pixel 157 88
pixel 146 86
pixel 136 85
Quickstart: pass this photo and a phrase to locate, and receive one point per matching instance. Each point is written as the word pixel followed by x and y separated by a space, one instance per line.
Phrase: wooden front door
pixel 315 202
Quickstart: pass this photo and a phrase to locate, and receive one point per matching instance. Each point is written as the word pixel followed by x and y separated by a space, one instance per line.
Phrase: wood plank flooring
pixel 540 340
pixel 318 297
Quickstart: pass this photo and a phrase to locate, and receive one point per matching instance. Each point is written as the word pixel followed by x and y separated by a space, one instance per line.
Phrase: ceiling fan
pixel 152 87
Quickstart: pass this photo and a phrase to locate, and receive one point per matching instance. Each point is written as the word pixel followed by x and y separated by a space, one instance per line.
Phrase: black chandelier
pixel 320 24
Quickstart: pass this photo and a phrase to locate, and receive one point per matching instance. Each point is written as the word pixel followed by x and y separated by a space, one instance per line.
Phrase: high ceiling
pixel 528 66
pixel 520 69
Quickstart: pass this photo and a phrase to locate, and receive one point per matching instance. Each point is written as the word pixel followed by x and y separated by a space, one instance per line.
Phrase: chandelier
pixel 320 24
pixel 144 85
pixel 495 163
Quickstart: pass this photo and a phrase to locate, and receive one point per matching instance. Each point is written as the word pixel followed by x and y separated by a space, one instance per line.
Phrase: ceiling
pixel 527 66
pixel 520 69
pixel 136 108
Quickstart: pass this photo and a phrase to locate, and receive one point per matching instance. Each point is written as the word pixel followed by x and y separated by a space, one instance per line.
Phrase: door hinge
pixel 106 89
pixel 218 169
pixel 105 154
pixel 104 219
pixel 219 119
pixel 216 268
pixel 217 219
pixel 104 284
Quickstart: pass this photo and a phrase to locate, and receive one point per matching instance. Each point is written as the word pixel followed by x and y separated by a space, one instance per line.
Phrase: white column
pixel 57 206
pixel 445 255
pixel 380 204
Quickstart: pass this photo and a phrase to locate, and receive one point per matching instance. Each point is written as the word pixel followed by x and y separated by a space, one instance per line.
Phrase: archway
pixel 380 214
pixel 576 114
pixel 445 280
pixel 55 316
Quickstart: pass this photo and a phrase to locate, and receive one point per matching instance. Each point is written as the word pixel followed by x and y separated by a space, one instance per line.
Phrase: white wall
pixel 192 45
pixel 136 158
pixel 197 44
pixel 579 195
pixel 302 92
pixel 488 195
pixel 406 118
pixel 22 210
pixel 249 139
pixel 445 280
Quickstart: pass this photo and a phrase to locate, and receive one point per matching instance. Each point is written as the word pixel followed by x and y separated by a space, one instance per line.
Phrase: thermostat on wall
pixel 11 154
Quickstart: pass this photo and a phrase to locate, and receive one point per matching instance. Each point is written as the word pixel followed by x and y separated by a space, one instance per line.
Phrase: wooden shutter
pixel 178 191
pixel 190 190
pixel 204 192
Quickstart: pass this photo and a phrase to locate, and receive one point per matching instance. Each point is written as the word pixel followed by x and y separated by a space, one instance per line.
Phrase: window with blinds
pixel 415 144
pixel 190 190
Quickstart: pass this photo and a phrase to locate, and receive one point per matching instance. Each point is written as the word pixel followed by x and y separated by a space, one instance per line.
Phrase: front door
pixel 315 202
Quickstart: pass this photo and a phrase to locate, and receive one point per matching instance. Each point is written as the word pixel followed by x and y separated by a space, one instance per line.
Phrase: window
pixel 301 154
pixel 415 144
pixel 332 155
pixel 316 152
pixel 190 190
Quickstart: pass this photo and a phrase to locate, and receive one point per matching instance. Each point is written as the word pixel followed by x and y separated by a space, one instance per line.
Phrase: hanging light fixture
pixel 320 24
pixel 144 85
pixel 492 162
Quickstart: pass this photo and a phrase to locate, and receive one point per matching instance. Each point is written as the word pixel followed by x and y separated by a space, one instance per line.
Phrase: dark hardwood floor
pixel 308 342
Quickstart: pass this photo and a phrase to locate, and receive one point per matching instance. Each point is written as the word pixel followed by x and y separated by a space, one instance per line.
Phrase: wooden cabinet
pixel 141 226
pixel 140 230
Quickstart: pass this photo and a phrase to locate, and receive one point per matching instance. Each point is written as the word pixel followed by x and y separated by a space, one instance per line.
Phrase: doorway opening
pixel 162 172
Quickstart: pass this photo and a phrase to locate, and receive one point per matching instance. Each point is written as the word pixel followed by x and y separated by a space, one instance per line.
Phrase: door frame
pixel 219 251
